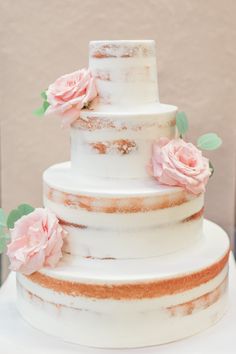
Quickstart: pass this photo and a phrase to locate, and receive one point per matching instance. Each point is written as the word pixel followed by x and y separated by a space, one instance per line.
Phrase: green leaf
pixel 45 105
pixel 43 95
pixel 210 141
pixel 25 209
pixel 16 214
pixel 12 218
pixel 181 123
pixel 3 242
pixel 211 168
pixel 3 219
pixel 39 111
pixel 2 230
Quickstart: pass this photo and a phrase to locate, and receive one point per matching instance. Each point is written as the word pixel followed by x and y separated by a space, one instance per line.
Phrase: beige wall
pixel 196 41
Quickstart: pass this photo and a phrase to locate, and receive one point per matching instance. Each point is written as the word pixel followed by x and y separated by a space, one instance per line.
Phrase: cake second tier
pixel 121 218
pixel 118 144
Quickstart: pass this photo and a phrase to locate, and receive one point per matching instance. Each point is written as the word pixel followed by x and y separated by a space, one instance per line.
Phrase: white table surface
pixel 16 336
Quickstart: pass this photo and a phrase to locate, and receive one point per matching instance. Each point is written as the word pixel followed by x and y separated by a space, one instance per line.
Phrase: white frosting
pixel 129 323
pixel 144 233
pixel 126 221
pixel 125 71
pixel 139 129
pixel 62 177
pixel 135 243
pixel 131 80
pixel 200 255
pixel 124 47
pixel 127 329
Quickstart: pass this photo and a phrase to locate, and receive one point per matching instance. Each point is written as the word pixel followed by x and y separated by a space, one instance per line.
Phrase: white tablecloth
pixel 16 336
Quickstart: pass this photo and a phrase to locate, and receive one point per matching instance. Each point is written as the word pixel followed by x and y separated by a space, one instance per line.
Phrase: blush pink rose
pixel 69 94
pixel 36 241
pixel 178 163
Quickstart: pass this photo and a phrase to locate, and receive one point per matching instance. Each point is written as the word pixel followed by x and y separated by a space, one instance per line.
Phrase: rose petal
pixel 71 91
pixel 37 240
pixel 178 163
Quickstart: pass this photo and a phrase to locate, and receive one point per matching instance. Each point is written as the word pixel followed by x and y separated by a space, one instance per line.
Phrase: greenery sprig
pixel 182 124
pixel 8 222
pixel 209 141
pixel 4 236
pixel 16 214
pixel 41 110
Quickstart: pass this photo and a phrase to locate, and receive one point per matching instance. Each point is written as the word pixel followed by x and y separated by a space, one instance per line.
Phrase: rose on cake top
pixel 68 95
pixel 179 163
pixel 36 239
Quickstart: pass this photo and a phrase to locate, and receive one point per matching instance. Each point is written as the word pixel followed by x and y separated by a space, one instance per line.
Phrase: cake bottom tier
pixel 130 303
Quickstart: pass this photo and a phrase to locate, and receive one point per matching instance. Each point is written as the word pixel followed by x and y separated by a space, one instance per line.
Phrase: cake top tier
pixel 125 71
pixel 122 48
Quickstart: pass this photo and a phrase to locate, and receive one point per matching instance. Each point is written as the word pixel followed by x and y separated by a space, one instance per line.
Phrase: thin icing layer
pixel 118 145
pixel 124 220
pixel 180 294
pixel 125 71
pixel 193 259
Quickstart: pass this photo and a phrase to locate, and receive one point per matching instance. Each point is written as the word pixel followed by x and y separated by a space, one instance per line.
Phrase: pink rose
pixel 178 163
pixel 69 94
pixel 36 241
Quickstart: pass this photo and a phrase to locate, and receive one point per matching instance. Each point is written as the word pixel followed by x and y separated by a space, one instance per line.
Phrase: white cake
pixel 140 267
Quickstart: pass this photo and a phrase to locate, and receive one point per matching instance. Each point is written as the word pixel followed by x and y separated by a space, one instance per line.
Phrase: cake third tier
pixel 129 219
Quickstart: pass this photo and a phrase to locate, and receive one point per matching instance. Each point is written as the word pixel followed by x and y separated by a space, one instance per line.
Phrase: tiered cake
pixel 140 267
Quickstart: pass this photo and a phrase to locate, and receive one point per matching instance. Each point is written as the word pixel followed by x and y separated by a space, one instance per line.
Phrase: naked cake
pixel 138 265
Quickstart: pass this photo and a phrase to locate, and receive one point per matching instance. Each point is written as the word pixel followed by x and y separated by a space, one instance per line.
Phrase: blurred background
pixel 196 58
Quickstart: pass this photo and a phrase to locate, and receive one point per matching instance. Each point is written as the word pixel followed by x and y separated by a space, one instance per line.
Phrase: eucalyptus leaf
pixel 43 95
pixel 3 218
pixel 16 214
pixel 3 242
pixel 25 209
pixel 181 123
pixel 45 106
pixel 39 111
pixel 209 141
pixel 12 218
pixel 2 230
